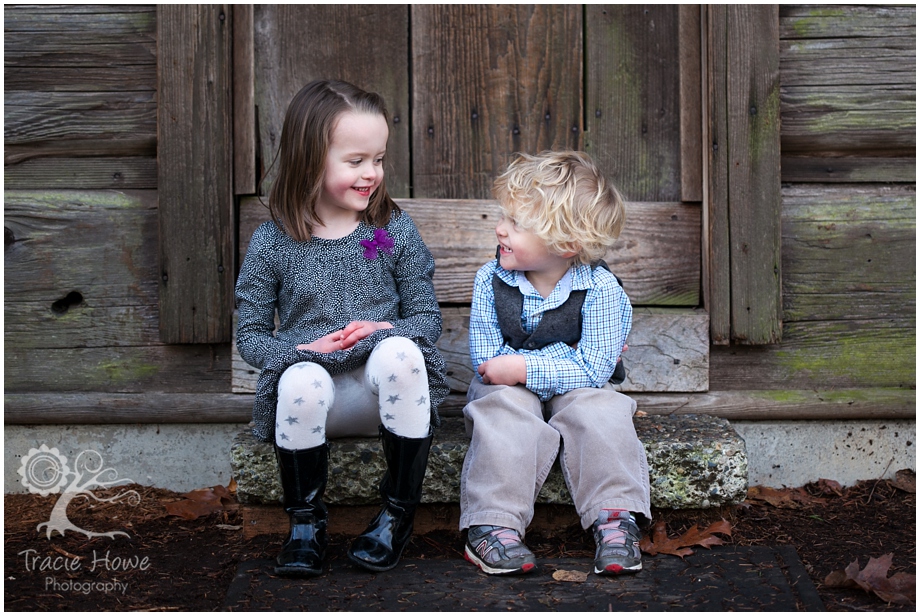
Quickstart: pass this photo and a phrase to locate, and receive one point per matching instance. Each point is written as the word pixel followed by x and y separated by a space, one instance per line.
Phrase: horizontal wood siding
pixel 80 298
pixel 79 80
pixel 849 292
pixel 849 92
pixel 668 351
pixel 651 256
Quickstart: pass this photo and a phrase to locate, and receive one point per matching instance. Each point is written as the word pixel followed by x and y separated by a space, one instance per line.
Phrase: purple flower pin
pixel 382 241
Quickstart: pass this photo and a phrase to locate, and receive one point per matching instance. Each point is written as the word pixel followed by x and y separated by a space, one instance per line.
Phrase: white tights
pixel 391 388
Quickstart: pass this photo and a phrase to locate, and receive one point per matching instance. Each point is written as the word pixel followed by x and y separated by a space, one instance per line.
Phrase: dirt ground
pixel 168 563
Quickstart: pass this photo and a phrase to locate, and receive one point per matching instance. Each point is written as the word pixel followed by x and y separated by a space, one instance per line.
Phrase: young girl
pixel 353 354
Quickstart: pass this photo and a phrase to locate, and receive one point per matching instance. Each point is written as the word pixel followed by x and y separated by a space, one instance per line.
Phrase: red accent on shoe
pixel 527 567
pixel 614 568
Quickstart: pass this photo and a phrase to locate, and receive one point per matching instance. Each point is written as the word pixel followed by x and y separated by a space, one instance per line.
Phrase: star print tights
pixel 391 389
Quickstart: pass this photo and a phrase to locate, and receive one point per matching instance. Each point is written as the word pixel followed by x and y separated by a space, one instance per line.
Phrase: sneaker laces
pixel 612 532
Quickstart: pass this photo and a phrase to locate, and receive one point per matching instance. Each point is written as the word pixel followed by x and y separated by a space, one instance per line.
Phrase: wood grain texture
pixel 184 408
pixel 656 255
pixel 176 368
pixel 489 81
pixel 849 80
pixel 849 252
pixel 691 100
pixel 745 171
pixel 367 45
pixel 668 351
pixel 244 106
pixel 633 109
pixel 828 170
pixel 64 173
pixel 195 156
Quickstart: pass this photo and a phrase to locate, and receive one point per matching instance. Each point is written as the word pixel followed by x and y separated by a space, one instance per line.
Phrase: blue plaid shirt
pixel 557 368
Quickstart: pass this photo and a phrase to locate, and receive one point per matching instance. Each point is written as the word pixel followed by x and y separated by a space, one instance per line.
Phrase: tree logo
pixel 44 471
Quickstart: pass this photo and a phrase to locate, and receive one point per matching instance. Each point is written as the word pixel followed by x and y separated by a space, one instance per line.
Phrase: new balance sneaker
pixel 498 551
pixel 617 537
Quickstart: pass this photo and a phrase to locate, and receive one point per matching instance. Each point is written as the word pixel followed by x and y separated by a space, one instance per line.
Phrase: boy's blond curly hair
pixel 562 198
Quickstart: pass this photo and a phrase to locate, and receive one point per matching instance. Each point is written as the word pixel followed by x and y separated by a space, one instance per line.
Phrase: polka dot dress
pixel 319 286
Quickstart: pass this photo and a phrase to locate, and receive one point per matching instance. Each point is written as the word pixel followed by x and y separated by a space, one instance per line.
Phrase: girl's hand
pixel 358 330
pixel 504 370
pixel 326 344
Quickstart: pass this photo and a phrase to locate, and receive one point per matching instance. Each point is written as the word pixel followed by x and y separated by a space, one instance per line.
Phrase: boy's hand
pixel 504 370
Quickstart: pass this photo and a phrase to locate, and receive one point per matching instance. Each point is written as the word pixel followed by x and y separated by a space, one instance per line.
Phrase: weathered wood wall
pixel 80 209
pixel 848 107
pixel 80 202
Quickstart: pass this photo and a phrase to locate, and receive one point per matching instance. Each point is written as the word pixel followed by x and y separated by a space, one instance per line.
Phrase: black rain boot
pixel 303 480
pixel 384 540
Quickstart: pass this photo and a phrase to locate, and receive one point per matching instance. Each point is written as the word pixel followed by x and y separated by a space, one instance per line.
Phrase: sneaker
pixel 498 551
pixel 617 537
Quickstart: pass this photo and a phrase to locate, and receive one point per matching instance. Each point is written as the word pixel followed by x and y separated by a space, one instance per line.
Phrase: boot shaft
pixel 304 473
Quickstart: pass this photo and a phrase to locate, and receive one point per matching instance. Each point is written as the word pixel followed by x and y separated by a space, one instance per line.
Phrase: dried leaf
pixel 562 575
pixel 905 480
pixel 193 509
pixel 660 543
pixel 202 502
pixel 829 486
pixel 787 498
pixel 901 588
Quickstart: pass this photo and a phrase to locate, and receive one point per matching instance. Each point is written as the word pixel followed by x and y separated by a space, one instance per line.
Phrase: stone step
pixel 695 462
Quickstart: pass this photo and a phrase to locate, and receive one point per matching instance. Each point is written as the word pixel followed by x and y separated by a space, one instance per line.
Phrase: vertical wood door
pixel 468 86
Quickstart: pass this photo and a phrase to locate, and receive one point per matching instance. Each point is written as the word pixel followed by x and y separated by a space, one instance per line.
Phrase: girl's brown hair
pixel 305 138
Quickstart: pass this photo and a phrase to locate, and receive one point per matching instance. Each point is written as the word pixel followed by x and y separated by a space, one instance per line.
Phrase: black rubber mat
pixel 727 578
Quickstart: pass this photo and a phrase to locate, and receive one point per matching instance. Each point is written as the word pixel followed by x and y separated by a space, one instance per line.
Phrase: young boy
pixel 547 325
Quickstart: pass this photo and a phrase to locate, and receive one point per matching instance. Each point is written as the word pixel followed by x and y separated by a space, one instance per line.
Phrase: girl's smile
pixel 353 171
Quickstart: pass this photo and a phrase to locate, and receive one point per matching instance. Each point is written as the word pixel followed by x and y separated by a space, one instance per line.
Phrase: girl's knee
pixel 307 378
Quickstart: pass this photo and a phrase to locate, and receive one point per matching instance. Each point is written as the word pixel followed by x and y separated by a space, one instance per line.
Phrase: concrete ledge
pixel 695 461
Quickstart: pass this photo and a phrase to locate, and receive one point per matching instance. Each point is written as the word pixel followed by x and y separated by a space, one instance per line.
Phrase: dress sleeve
pixel 256 299
pixel 419 314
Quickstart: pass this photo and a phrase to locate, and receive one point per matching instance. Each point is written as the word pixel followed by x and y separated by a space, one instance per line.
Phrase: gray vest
pixel 561 324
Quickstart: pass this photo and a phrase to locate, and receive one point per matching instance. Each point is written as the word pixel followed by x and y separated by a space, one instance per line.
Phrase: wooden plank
pixel 178 368
pixel 31 117
pixel 490 81
pixel 45 38
pixel 846 250
pixel 116 408
pixel 119 173
pixel 811 169
pixel 633 93
pixel 691 98
pixel 746 69
pixel 184 408
pixel 244 110
pixel 849 80
pixel 656 256
pixel 668 351
pixel 851 353
pixel 718 254
pixel 101 244
pixel 811 21
pixel 848 120
pixel 195 174
pixel 295 44
pixel 76 78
